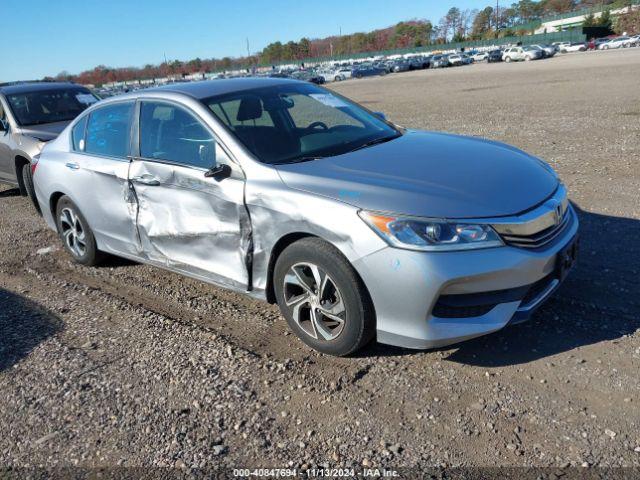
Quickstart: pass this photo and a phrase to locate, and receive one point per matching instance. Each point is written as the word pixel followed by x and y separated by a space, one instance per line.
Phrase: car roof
pixel 20 87
pixel 210 88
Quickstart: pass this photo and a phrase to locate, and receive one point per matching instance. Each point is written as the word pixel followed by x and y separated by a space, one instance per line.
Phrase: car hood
pixel 430 175
pixel 45 132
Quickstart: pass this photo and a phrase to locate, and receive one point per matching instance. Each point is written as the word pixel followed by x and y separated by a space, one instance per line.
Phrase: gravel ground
pixel 128 365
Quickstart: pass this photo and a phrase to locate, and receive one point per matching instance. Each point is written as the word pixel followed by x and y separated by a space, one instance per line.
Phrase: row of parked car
pixel 337 72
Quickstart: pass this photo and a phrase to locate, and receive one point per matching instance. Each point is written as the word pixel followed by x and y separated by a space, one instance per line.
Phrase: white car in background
pixel 521 53
pixel 573 47
pixel 480 56
pixel 619 42
pixel 456 59
pixel 335 75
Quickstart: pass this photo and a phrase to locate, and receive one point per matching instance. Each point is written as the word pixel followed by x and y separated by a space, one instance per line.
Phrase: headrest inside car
pixel 250 109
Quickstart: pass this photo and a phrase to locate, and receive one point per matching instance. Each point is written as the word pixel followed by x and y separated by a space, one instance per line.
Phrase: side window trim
pixel 88 114
pixel 137 153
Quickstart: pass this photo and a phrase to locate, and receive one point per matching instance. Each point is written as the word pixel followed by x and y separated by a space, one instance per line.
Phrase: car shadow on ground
pixel 599 301
pixel 23 326
pixel 10 192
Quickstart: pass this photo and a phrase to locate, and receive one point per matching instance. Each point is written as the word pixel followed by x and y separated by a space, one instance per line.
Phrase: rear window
pixel 77 134
pixel 49 106
pixel 108 130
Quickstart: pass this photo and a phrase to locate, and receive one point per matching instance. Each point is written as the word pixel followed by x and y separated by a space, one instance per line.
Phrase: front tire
pixel 322 298
pixel 75 233
pixel 508 59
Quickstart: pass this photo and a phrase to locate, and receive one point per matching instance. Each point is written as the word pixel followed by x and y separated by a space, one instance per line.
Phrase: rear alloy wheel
pixel 322 298
pixel 76 234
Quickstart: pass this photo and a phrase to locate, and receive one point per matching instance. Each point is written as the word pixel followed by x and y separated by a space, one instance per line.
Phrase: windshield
pixel 49 106
pixel 297 122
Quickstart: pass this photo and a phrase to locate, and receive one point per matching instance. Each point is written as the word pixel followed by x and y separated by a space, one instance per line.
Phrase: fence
pixel 574 35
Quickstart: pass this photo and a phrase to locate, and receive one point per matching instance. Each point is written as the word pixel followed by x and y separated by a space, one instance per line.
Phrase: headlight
pixel 431 234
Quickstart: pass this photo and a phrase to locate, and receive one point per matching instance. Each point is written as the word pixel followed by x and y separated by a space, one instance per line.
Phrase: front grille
pixel 468 305
pixel 442 310
pixel 537 288
pixel 541 238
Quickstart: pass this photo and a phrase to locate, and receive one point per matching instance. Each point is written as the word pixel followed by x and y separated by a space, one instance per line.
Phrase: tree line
pixel 457 25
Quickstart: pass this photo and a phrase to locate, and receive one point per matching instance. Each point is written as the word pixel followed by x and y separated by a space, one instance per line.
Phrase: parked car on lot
pixel 440 61
pixel 292 194
pixel 419 62
pixel 456 59
pixel 559 45
pixel 494 56
pixel 308 76
pixel 335 75
pixel 480 56
pixel 31 114
pixel 618 42
pixel 367 70
pixel 547 50
pixel 521 53
pixel 574 47
pixel 400 66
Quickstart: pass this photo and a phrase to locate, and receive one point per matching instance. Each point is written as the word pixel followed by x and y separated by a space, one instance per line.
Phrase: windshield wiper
pixel 376 141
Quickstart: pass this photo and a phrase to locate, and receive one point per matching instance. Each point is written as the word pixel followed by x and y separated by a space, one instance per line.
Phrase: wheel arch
pixel 19 162
pixel 289 239
pixel 277 249
pixel 53 203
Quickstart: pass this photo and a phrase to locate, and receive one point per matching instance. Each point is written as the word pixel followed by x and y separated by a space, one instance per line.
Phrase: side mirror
pixel 218 172
pixel 380 115
pixel 4 125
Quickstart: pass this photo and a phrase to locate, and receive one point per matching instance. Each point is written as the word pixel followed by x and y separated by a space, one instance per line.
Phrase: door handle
pixel 72 165
pixel 146 180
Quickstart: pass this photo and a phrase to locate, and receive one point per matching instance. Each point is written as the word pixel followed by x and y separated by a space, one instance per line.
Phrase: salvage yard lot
pixel 130 365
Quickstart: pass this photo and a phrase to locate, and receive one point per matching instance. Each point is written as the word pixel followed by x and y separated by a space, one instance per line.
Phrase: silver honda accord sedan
pixel 285 191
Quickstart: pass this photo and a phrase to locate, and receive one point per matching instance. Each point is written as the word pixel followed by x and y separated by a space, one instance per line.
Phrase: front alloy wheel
pixel 316 302
pixel 324 301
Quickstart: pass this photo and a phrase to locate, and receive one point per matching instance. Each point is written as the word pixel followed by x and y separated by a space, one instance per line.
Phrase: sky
pixel 46 37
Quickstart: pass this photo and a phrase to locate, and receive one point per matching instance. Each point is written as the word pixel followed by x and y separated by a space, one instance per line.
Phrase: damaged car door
pixel 191 215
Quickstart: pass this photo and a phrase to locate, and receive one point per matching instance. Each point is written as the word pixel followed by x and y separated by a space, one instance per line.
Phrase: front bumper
pixel 412 290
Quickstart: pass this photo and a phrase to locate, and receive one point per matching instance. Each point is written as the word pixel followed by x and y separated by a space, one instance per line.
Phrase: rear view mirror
pixel 380 115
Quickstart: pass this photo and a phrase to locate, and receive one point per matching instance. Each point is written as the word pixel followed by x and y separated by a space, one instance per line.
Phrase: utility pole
pixel 497 18
pixel 248 51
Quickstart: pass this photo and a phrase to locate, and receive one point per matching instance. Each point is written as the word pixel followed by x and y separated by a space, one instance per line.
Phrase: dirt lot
pixel 129 365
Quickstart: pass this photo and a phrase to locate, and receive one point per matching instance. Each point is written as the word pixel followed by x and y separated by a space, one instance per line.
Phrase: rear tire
pixel 75 233
pixel 312 277
pixel 27 180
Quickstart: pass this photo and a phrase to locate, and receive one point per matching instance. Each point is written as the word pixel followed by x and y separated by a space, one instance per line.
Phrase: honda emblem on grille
pixel 557 214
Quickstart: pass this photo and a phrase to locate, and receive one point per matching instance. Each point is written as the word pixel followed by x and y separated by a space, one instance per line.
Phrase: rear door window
pixel 108 130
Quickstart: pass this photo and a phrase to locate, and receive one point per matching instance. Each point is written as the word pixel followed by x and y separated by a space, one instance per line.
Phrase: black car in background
pixel 440 61
pixel 494 56
pixel 368 70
